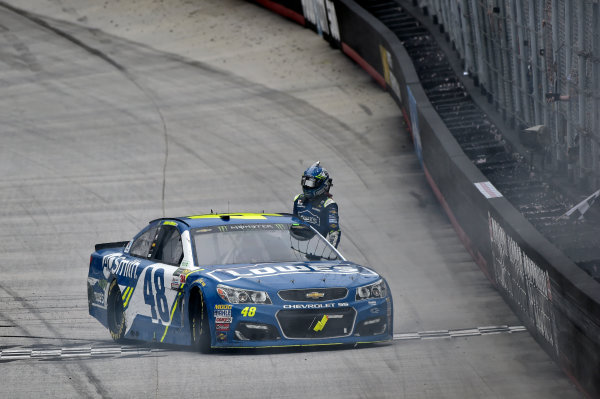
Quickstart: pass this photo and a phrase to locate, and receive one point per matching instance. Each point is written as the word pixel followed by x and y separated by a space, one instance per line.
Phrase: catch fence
pixel 539 63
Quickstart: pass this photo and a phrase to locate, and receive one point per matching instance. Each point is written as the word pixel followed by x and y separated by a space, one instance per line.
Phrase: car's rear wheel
pixel 199 322
pixel 90 292
pixel 116 312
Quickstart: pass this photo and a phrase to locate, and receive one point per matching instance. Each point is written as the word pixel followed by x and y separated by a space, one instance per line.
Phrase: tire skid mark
pixel 31 309
pixel 14 324
pixel 122 69
pixel 70 180
pixel 23 57
pixel 95 52
pixel 75 381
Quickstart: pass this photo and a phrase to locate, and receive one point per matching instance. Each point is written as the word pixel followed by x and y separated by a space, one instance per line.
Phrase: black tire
pixel 90 293
pixel 115 312
pixel 199 323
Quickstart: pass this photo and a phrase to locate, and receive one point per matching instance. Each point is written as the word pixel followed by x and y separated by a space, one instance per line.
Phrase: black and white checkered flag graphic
pixel 580 209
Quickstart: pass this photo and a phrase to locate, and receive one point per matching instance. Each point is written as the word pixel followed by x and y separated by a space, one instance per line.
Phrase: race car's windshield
pixel 260 243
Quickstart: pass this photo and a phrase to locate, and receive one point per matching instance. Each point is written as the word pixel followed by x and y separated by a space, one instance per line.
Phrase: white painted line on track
pixel 469 332
pixel 116 351
pixel 78 352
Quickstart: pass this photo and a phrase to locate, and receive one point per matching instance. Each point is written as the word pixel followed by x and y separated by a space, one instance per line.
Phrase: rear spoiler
pixel 120 244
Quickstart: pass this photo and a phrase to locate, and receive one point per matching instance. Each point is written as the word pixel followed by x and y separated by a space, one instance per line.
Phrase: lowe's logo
pixel 245 272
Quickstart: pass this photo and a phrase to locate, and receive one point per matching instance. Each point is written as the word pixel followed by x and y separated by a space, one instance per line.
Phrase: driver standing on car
pixel 316 206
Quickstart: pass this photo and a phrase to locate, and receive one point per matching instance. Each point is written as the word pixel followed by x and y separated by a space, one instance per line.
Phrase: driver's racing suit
pixel 322 213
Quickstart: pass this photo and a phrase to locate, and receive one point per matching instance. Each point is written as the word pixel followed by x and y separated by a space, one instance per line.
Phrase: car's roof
pixel 218 219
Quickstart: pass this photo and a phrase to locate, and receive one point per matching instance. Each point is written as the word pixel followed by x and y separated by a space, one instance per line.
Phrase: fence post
pixel 522 63
pixel 467 38
pixel 505 51
pixel 516 94
pixel 596 91
pixel 481 65
pixel 568 75
pixel 546 77
pixel 533 46
pixel 581 92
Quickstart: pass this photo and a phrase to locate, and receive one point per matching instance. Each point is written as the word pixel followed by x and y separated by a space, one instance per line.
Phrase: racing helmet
pixel 315 181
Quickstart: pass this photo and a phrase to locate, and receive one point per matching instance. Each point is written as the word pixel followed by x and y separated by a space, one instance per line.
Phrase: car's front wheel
pixel 116 312
pixel 199 323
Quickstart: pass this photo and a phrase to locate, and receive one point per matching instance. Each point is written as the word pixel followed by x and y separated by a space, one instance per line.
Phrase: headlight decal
pixel 239 295
pixel 372 291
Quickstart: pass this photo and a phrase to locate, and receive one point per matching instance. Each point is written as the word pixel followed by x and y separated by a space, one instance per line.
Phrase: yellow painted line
pixel 171 319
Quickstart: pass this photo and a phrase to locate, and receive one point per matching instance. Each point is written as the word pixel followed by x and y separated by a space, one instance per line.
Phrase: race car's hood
pixel 294 275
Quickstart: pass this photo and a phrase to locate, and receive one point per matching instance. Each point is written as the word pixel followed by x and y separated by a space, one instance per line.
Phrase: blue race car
pixel 236 280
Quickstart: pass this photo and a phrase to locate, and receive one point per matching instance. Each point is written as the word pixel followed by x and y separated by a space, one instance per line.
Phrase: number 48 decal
pixel 154 294
pixel 248 311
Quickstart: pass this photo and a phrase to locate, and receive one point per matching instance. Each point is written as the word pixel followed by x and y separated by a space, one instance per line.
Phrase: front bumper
pixel 302 324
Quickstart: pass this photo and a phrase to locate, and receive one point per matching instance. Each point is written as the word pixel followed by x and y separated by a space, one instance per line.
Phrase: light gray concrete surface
pixel 223 104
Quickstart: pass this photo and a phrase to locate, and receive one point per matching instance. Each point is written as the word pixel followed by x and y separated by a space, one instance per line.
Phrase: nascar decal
pixel 242 227
pixel 223 317
pixel 222 311
pixel 180 277
pixel 333 217
pixel 98 291
pixel 232 274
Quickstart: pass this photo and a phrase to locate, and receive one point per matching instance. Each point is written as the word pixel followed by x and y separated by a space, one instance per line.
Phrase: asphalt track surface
pixel 104 129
